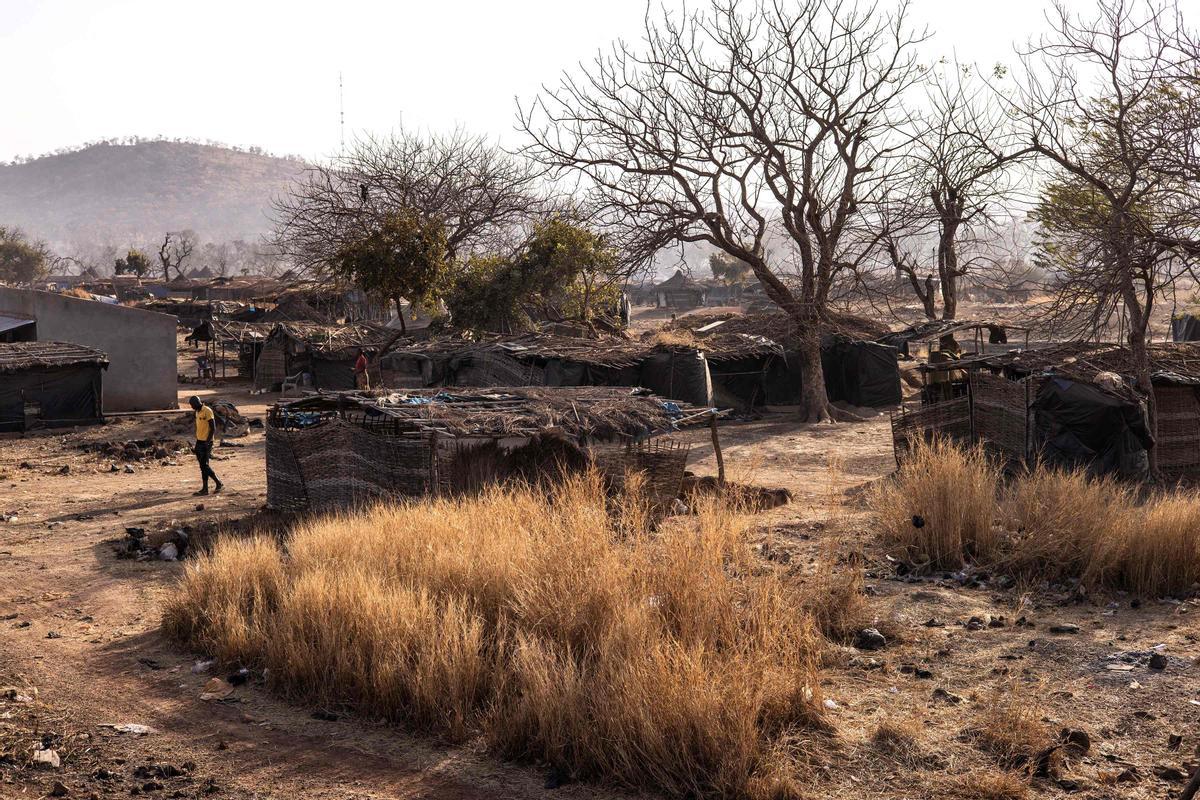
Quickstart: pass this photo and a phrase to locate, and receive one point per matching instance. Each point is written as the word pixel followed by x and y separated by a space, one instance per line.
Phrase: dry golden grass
pixel 941 508
pixel 1044 525
pixel 899 740
pixel 989 784
pixel 834 600
pixel 1010 729
pixel 554 628
pixel 670 337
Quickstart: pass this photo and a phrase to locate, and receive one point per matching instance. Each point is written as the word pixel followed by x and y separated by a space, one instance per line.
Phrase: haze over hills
pixel 133 193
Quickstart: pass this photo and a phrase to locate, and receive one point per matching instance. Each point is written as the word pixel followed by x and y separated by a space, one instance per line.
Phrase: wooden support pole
pixel 716 440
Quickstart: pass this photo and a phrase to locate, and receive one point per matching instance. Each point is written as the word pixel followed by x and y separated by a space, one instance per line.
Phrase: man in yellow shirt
pixel 206 429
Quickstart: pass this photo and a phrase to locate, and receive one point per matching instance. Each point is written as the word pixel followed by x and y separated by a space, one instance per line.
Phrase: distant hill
pixel 119 193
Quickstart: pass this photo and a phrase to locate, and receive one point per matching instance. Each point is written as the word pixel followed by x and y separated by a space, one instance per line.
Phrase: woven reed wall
pixel 950 418
pixel 340 465
pixel 1000 415
pixel 271 368
pixel 1178 435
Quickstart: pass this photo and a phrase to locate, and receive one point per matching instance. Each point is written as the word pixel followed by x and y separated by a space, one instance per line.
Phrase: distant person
pixel 362 379
pixel 206 430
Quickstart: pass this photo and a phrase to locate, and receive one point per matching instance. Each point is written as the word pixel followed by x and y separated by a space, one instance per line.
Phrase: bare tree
pixel 959 183
pixel 1093 101
pixel 473 189
pixel 175 249
pixel 766 128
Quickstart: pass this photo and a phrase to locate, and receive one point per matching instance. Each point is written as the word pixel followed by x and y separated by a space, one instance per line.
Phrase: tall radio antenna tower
pixel 341 114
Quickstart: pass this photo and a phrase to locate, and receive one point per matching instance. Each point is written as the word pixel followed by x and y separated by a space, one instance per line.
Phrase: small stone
pixel 1069 785
pixel 1169 773
pixel 1157 661
pixel 934 622
pixel 53 635
pixel 976 624
pixel 128 469
pixel 59 790
pixel 1064 627
pixel 46 758
pixel 870 639
pixel 1174 741
pixel 997 622
pixel 949 697
pixel 1078 740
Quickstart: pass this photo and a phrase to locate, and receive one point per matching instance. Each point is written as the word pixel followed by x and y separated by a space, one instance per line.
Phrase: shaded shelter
pixel 50 384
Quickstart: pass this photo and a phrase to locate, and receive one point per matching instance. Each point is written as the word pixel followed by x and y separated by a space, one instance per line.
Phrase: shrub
pixel 941 507
pixel 562 630
pixel 946 507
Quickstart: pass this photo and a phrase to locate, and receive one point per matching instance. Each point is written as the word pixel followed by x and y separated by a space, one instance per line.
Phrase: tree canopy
pixel 402 256
pixel 21 259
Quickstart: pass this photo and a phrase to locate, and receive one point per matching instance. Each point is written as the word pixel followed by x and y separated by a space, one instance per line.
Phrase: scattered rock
pixel 53 635
pixel 1069 785
pixel 201 666
pixel 128 469
pixel 1064 627
pixel 1157 661
pixel 916 671
pixel 216 689
pixel 65 469
pixel 1129 775
pixel 1169 773
pixel 934 622
pixel 1078 741
pixel 168 552
pixel 870 639
pixel 1174 741
pixel 46 758
pixel 997 622
pixel 59 790
pixel 135 728
pixel 976 624
pixel 949 697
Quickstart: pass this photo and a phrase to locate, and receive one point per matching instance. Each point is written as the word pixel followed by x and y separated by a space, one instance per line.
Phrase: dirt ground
pixel 80 647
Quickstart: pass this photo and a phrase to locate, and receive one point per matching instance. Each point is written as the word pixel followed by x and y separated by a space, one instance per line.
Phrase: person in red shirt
pixel 362 380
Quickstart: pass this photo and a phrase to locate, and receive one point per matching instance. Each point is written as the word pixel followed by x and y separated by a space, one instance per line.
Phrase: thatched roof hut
pixel 49 383
pixel 339 449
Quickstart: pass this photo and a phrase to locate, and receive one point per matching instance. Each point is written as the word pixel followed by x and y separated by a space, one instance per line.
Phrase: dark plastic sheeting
pixel 1083 427
pixel 67 395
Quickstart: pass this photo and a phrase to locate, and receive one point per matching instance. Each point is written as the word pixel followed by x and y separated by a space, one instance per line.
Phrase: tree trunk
pixel 400 314
pixel 1141 366
pixel 814 402
pixel 949 294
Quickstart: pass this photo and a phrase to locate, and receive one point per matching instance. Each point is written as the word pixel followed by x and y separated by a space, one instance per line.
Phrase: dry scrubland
pixel 562 628
pixel 949 506
pixel 556 627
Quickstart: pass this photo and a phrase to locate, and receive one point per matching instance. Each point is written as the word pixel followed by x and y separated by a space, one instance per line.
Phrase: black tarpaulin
pixel 328 373
pixel 1185 328
pixel 678 375
pixel 1081 426
pixel 740 381
pixel 67 395
pixel 856 372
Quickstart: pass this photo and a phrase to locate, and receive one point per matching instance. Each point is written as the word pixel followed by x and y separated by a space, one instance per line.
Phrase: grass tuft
pixel 947 506
pixel 560 629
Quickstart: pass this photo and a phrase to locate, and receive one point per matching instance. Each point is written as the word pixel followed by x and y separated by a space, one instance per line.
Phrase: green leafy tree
pixel 570 270
pixel 135 262
pixel 564 271
pixel 402 257
pixel 728 269
pixel 21 260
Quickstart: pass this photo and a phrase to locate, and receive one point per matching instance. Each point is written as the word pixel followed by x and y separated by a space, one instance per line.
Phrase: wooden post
pixel 712 424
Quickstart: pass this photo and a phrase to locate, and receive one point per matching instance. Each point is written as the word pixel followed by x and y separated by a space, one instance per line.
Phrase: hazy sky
pixel 265 73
